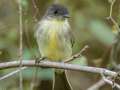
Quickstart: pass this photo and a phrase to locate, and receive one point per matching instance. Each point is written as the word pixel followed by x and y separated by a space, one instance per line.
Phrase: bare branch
pixel 49 64
pixel 77 55
pixel 97 85
pixel 11 73
pixel 37 10
pixel 111 83
pixel 112 2
pixel 101 83
pixel 107 80
pixel 21 44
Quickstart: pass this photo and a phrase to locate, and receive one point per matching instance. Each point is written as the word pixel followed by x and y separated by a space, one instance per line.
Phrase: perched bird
pixel 55 40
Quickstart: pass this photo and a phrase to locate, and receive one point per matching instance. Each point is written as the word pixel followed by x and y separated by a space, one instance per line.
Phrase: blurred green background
pixel 88 23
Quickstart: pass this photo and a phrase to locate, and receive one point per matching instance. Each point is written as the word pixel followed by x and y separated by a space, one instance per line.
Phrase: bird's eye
pixel 56 12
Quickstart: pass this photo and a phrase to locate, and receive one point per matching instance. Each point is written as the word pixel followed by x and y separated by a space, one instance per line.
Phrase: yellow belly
pixel 54 49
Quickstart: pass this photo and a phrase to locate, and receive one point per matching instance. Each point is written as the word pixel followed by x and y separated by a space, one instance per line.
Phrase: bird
pixel 55 40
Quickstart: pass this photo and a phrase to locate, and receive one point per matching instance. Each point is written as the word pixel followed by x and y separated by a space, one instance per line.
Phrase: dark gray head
pixel 57 11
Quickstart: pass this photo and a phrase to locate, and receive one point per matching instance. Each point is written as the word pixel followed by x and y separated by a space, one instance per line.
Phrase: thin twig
pixel 21 44
pixel 97 85
pixel 110 15
pixel 111 83
pixel 107 80
pixel 77 55
pixel 12 73
pixel 36 10
pixel 34 78
pixel 101 83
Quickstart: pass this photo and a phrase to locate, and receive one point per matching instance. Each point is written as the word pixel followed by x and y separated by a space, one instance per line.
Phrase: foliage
pixel 88 23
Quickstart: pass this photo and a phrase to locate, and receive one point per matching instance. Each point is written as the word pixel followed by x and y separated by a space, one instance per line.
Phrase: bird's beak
pixel 66 16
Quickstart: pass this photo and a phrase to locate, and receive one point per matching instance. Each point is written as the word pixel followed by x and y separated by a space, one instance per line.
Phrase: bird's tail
pixel 60 82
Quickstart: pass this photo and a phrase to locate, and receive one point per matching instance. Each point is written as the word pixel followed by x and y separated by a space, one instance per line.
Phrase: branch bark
pixel 49 64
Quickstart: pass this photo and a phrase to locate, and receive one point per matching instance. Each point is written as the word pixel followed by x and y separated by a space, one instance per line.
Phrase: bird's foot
pixel 38 60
